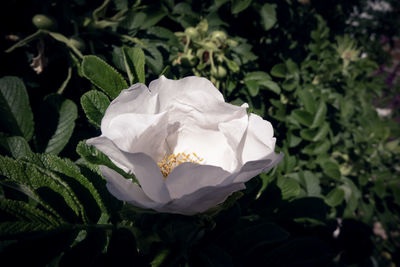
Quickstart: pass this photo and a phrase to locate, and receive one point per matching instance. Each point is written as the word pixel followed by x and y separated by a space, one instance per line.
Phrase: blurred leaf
pixel 289 187
pixel 302 117
pixel 315 135
pixel 335 197
pixel 239 5
pixel 134 60
pixel 232 65
pixel 311 183
pixel 16 146
pixel 16 114
pixel 268 16
pixel 95 103
pixel 331 169
pixel 56 123
pixel 279 70
pixel 252 85
pixel 103 76
pixel 154 59
pixel 319 116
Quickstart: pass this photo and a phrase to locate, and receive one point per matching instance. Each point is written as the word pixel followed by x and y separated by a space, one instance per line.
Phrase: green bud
pixel 219 72
pixel 202 27
pixel 191 32
pixel 218 36
pixel 44 22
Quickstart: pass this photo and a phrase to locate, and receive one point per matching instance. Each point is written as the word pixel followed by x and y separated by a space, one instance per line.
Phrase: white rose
pixel 188 149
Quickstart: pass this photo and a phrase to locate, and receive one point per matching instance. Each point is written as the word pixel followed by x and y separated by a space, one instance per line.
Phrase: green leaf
pixel 319 116
pixel 311 183
pixel 154 59
pixel 302 116
pixel 252 85
pixel 23 211
pixel 83 188
pixel 268 16
pixel 95 103
pixel 290 84
pixel 10 229
pixel 331 169
pixel 239 5
pixel 279 70
pixel 103 76
pixel 273 86
pixel 16 146
pixel 56 123
pixel 316 134
pixel 16 114
pixel 232 65
pixel 47 188
pixel 94 156
pixel 307 99
pixel 289 187
pixel 257 75
pixel 134 60
pixel 318 148
pixel 335 197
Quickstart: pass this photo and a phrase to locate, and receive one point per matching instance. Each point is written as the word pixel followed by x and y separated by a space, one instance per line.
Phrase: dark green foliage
pixel 305 66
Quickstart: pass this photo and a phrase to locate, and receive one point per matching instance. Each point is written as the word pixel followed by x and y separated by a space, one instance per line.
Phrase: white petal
pixel 144 167
pixel 136 99
pixel 189 177
pixel 234 131
pixel 210 145
pixel 253 168
pixel 259 141
pixel 202 199
pixel 125 190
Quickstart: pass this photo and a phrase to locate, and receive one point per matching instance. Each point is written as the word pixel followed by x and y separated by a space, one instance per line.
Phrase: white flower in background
pixel 384 112
pixel 188 149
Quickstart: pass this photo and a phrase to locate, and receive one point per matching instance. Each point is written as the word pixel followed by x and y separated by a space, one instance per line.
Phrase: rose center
pixel 168 163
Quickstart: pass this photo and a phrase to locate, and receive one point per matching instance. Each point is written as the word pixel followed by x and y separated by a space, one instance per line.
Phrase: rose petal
pixel 253 168
pixel 259 141
pixel 189 177
pixel 125 190
pixel 210 145
pixel 145 169
pixel 202 199
pixel 136 99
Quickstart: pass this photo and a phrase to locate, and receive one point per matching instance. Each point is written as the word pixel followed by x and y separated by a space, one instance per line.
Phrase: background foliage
pixel 312 68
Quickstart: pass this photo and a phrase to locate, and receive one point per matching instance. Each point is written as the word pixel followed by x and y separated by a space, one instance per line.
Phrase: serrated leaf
pixel 23 211
pixel 103 76
pixel 16 114
pixel 49 189
pixel 95 103
pixel 68 169
pixel 268 16
pixel 16 146
pixel 56 123
pixel 94 156
pixel 134 60
pixel 9 229
pixel 239 5
pixel 335 197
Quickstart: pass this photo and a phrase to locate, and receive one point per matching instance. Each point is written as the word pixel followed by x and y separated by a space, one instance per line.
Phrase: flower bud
pixel 44 22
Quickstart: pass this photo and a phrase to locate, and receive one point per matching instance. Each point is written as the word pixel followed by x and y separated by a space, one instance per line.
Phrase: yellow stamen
pixel 168 163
